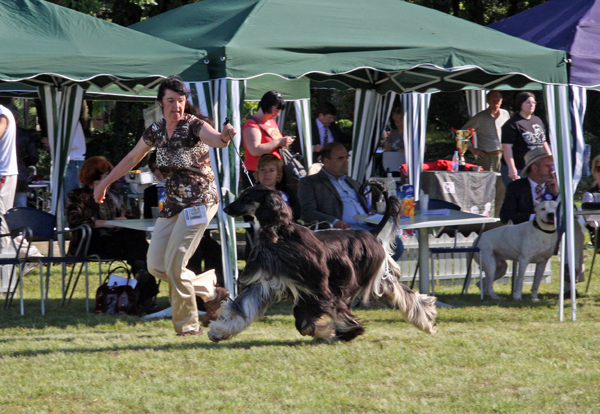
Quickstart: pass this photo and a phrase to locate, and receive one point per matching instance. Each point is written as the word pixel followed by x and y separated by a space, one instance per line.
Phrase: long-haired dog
pixel 323 270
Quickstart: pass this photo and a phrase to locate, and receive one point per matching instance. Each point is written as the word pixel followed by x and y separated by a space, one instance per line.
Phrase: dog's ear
pixel 273 210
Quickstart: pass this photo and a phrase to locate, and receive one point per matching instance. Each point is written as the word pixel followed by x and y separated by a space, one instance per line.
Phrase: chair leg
pixel 74 283
pixel 412 284
pixel 591 268
pixel 10 293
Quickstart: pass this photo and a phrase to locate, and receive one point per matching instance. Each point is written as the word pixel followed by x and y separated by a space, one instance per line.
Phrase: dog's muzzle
pixel 550 219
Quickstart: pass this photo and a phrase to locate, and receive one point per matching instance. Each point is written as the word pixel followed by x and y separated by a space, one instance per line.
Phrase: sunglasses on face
pixel 597 168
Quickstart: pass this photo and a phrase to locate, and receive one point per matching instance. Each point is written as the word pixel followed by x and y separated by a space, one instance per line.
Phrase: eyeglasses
pixel 597 168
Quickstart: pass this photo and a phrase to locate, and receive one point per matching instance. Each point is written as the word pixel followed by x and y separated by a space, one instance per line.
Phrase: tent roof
pixel 569 25
pixel 388 44
pixel 43 43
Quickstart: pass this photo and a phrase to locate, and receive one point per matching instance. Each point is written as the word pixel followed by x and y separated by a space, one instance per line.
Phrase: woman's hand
pixel 227 133
pixel 100 193
pixel 285 141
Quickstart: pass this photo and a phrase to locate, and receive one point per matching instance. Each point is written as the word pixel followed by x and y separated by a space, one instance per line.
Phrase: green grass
pixel 487 357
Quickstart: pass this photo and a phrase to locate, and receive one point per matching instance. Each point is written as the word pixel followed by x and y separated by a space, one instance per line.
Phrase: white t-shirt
pixel 77 151
pixel 8 145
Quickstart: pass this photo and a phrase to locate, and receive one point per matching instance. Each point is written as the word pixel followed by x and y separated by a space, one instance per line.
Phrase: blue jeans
pixel 72 178
pixel 504 173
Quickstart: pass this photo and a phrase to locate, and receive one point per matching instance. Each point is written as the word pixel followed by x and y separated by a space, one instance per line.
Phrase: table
pixel 148 224
pixel 424 222
pixel 471 190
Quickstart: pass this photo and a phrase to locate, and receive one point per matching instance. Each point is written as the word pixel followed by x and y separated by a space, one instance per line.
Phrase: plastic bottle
pixel 391 187
pixel 455 161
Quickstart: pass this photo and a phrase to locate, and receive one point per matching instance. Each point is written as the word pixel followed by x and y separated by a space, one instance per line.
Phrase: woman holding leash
pixel 182 139
pixel 260 133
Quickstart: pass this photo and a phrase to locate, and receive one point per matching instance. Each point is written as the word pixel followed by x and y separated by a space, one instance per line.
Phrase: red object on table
pixel 439 165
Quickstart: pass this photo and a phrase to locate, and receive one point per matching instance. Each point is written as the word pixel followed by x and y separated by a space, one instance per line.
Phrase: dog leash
pixel 238 153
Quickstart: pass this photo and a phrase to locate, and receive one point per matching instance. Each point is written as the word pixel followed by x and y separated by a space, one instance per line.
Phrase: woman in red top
pixel 263 137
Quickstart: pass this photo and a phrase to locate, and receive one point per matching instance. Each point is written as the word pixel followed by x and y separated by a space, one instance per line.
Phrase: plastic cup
pixel 424 203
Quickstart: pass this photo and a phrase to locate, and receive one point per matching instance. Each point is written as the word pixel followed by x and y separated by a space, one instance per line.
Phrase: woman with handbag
pixel 260 133
pixel 181 139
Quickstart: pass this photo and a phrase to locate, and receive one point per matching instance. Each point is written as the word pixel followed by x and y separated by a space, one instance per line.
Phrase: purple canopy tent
pixel 569 25
pixel 574 27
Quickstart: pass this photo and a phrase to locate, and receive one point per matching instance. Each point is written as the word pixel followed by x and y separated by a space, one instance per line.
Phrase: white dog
pixel 531 242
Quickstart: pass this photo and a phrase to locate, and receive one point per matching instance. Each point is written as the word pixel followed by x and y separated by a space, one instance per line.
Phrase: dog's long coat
pixel 323 270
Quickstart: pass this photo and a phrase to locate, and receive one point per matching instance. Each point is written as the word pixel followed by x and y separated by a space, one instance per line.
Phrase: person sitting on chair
pixel 269 172
pixel 107 241
pixel 332 196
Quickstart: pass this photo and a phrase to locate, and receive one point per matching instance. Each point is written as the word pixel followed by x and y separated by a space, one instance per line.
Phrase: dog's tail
pixel 416 308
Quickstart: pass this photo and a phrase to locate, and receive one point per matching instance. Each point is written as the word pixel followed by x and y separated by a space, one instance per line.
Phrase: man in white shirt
pixel 76 160
pixel 8 165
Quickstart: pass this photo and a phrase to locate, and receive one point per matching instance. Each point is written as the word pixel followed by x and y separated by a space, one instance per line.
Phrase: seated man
pixel 331 196
pixel 522 195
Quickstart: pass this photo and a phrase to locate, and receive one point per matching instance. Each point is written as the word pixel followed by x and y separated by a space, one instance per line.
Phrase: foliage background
pixel 123 121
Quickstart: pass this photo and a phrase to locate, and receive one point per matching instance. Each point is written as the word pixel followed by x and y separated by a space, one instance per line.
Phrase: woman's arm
pixel 510 161
pixel 131 160
pixel 253 137
pixel 214 138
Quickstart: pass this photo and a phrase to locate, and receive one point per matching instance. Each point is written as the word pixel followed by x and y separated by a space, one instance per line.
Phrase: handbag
pixel 115 297
pixel 293 169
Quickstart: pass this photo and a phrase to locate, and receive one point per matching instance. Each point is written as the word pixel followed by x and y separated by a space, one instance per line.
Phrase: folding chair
pixel 43 225
pixel 10 257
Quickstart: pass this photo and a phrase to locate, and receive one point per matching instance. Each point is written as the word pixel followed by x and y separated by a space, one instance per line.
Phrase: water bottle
pixel 455 161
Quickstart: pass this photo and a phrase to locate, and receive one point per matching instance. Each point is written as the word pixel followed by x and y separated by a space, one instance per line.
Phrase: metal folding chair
pixel 43 225
pixel 10 256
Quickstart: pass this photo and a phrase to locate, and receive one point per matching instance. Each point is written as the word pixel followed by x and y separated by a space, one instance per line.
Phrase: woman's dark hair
pixel 175 83
pixel 92 170
pixel 270 99
pixel 522 97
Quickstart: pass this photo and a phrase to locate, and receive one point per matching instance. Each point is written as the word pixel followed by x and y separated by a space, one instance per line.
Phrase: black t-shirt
pixel 524 135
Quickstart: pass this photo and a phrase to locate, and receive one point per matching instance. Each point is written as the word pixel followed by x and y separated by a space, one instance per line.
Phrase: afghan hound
pixel 323 270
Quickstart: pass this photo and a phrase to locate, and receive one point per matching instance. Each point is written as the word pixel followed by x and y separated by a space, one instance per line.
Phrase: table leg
pixel 424 261
pixel 424 267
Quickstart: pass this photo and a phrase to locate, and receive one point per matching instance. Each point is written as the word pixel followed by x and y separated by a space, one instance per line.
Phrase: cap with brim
pixel 532 156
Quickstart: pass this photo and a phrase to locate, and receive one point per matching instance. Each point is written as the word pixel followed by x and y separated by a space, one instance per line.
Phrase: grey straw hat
pixel 532 156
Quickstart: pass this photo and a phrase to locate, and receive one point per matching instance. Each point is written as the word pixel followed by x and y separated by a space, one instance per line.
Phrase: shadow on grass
pixel 182 346
pixel 74 314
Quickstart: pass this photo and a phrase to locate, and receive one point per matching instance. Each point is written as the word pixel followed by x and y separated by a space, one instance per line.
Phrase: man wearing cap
pixel 524 194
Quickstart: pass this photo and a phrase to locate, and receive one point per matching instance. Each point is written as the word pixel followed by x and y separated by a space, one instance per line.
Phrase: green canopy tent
pixel 62 53
pixel 388 46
